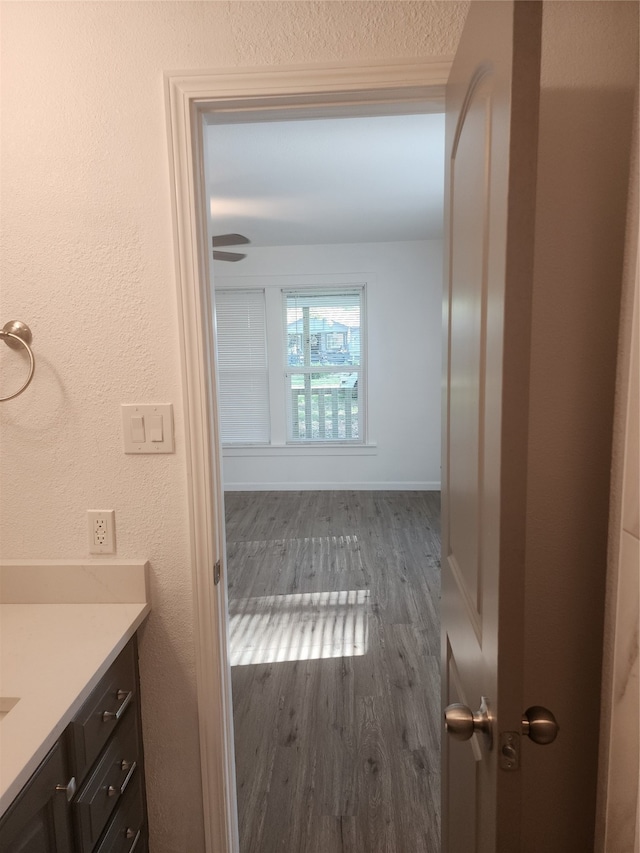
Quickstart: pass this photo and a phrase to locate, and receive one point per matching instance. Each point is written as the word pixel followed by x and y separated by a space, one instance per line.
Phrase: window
pixel 313 337
pixel 242 366
pixel 324 365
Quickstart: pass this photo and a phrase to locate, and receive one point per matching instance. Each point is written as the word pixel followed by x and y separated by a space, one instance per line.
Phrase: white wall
pixel 404 332
pixel 88 262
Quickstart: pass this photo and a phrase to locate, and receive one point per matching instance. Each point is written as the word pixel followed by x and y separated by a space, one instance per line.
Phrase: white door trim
pixel 225 96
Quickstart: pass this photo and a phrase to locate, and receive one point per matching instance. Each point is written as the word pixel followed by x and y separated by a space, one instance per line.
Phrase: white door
pixel 492 108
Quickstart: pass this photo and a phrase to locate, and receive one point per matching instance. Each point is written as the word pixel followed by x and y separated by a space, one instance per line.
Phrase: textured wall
pixel 87 261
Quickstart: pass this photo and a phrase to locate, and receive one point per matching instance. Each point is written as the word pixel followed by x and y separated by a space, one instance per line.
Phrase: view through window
pixel 324 365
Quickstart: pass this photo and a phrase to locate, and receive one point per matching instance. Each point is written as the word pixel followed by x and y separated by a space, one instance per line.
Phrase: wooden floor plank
pixel 333 601
pixel 376 829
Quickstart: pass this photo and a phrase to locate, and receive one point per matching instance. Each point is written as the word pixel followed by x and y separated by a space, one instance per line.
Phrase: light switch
pixel 137 429
pixel 147 428
pixel 155 427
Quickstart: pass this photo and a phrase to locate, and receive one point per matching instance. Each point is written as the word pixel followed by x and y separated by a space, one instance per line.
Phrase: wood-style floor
pixel 335 651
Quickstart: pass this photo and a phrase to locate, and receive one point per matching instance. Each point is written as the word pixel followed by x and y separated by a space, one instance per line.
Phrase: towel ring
pixel 16 334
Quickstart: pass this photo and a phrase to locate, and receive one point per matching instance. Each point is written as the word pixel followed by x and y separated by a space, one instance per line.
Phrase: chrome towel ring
pixel 15 335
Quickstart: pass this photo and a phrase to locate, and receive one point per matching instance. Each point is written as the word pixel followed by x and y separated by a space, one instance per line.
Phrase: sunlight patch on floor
pixel 305 626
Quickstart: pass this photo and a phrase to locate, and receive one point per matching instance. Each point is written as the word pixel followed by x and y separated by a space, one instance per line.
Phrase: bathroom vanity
pixel 71 768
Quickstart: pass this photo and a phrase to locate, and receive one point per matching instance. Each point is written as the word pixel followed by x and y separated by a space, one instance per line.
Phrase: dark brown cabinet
pixel 39 819
pixel 88 793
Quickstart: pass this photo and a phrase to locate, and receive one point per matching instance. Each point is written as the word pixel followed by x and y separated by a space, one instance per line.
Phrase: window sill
pixel 370 449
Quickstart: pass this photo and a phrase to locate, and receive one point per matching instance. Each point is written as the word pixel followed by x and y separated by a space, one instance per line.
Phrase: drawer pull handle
pixel 112 791
pixel 69 789
pixel 129 833
pixel 126 698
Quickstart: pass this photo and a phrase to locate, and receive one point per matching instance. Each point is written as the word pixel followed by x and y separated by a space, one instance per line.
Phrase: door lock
pixel 539 725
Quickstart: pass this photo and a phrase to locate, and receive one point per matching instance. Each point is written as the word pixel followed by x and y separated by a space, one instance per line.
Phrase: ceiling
pixel 317 181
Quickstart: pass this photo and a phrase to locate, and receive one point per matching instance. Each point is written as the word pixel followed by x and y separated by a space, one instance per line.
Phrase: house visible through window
pixel 319 358
pixel 324 365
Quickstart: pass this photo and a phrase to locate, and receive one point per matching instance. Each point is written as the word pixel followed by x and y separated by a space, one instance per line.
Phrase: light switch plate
pixel 132 431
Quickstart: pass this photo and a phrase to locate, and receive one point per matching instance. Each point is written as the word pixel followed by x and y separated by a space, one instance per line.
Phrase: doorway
pixel 330 476
pixel 400 89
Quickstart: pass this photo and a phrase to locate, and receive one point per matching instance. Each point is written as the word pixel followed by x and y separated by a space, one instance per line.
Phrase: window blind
pixel 242 366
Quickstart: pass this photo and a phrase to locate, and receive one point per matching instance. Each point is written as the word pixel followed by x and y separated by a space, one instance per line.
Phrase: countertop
pixel 53 652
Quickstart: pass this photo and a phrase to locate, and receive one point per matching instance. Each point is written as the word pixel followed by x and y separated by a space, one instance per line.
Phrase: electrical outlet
pixel 102 531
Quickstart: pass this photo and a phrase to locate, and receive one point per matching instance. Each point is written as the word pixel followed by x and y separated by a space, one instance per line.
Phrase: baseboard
pixel 412 486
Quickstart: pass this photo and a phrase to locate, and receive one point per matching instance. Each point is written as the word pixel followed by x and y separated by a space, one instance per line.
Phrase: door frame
pixel 232 96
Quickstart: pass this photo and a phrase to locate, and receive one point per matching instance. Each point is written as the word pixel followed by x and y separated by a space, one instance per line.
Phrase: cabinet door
pixel 38 820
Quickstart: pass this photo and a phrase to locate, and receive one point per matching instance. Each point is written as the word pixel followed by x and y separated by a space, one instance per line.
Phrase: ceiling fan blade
pixel 229 240
pixel 227 256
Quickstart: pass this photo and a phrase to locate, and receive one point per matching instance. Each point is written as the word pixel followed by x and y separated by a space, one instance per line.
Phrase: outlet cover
pixel 101 530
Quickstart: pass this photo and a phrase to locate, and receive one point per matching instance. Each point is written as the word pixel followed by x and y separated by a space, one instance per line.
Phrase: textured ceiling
pixel 342 180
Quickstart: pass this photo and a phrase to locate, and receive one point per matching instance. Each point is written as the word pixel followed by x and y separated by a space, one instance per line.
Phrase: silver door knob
pixel 461 723
pixel 540 725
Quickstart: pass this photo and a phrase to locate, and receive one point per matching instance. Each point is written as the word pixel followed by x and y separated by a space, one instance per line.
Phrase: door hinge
pixel 216 572
pixel 509 751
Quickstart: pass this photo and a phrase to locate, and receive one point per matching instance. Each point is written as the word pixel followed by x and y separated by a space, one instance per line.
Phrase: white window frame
pixel 360 369
pixel 273 285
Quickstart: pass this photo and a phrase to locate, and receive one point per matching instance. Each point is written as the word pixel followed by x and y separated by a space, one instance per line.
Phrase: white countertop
pixel 53 654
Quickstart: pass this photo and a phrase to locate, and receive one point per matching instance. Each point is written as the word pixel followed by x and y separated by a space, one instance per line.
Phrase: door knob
pixel 462 723
pixel 540 725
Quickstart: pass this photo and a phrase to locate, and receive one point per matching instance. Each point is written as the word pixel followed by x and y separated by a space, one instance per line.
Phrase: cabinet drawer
pixel 127 832
pixel 101 713
pixel 117 769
